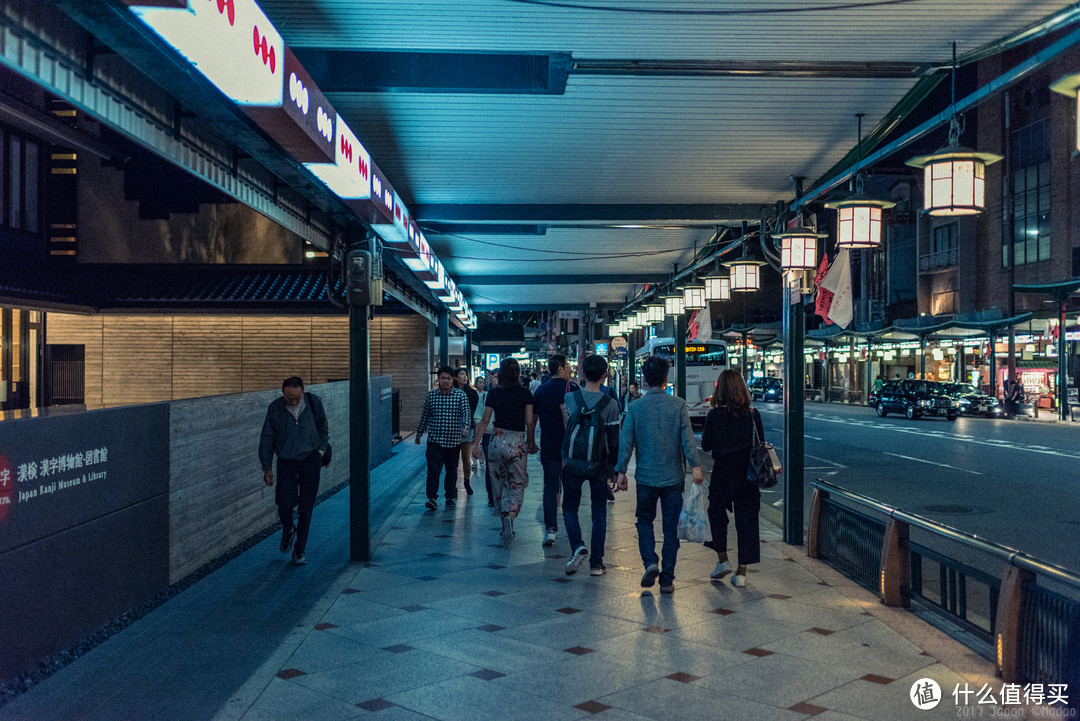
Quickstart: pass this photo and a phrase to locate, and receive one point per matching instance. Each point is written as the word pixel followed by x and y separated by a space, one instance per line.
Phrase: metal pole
pixel 992 347
pixel 468 352
pixel 794 377
pixel 680 355
pixel 922 357
pixel 444 337
pixel 359 436
pixel 1063 368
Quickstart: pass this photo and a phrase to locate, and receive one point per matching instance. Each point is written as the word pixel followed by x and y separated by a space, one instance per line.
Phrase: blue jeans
pixel 670 498
pixel 570 502
pixel 553 479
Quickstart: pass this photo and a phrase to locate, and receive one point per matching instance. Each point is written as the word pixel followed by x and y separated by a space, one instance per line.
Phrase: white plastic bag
pixel 694 519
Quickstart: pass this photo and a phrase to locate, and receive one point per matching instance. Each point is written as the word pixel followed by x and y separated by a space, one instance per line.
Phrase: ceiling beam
pixel 751 69
pixel 465 281
pixel 596 213
pixel 367 71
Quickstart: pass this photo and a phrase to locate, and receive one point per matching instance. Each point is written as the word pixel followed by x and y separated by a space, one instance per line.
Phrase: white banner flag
pixel 701 324
pixel 838 282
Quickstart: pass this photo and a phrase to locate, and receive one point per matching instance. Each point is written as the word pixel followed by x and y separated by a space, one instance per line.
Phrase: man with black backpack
pixel 590 445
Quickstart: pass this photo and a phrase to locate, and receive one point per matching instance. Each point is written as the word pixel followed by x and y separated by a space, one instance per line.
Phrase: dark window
pixel 1030 189
pixel 945 238
pixel 15 184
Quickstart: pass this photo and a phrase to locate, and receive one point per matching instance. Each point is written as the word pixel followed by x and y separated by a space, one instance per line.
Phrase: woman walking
pixel 461 380
pixel 729 434
pixel 509 410
pixel 485 441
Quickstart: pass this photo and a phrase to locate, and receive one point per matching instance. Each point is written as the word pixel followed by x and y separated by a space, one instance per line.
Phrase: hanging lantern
pixel 641 317
pixel 674 304
pixel 745 273
pixel 694 296
pixel 1070 86
pixel 631 320
pixel 717 287
pixel 954 177
pixel 614 329
pixel 656 312
pixel 798 248
pixel 858 223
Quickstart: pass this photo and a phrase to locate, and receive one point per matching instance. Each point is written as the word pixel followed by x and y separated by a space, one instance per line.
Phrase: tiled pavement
pixel 448 624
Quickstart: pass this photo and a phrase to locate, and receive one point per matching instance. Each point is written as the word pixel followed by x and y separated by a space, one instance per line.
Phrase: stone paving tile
pixel 858 697
pixel 670 699
pixel 491 650
pixel 471 699
pixel 284 699
pixel 580 629
pixel 783 680
pixel 577 679
pixel 670 651
pixel 483 608
pixel 381 673
pixel 390 631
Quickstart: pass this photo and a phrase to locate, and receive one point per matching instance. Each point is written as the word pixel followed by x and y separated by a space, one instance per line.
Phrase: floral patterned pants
pixel 507 458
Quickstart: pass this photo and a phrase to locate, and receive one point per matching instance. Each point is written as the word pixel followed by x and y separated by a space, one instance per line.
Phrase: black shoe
pixel 468 487
pixel 649 578
pixel 432 504
pixel 609 493
pixel 298 558
pixel 287 539
pixel 451 503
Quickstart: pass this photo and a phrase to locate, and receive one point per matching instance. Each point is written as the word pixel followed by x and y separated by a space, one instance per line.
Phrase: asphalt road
pixel 1015 483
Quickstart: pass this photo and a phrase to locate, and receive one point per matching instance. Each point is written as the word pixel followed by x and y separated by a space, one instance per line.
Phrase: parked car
pixel 753 386
pixel 915 399
pixel 771 390
pixel 973 401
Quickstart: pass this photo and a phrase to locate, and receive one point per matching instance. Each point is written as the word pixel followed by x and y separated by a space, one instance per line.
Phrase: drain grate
pixel 949 509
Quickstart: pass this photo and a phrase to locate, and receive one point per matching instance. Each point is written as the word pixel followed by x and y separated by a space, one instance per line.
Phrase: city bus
pixel 705 360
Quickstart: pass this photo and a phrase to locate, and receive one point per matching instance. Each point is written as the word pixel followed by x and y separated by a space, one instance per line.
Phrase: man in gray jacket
pixel 296 431
pixel 657 429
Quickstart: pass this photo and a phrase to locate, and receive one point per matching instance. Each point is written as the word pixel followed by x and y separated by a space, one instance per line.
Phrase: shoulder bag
pixel 761 472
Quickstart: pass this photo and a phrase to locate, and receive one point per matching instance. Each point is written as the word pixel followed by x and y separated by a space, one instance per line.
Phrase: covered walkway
pixel 446 623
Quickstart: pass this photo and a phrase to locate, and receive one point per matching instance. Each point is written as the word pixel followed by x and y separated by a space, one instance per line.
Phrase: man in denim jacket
pixel 296 431
pixel 657 429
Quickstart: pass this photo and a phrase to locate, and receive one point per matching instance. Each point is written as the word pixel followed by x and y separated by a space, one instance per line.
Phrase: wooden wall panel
pixel 84 330
pixel 400 348
pixel 329 348
pixel 275 347
pixel 207 355
pixel 137 358
pixel 154 358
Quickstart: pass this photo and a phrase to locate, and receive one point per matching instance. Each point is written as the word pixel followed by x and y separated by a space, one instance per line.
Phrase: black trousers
pixel 438 460
pixel 297 485
pixel 745 499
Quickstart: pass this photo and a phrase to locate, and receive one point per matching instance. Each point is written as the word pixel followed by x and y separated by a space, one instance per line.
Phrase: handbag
pixel 762 470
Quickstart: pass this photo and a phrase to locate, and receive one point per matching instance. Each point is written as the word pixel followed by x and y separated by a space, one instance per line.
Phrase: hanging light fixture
pixel 717 287
pixel 674 304
pixel 1070 87
pixel 641 317
pixel 745 271
pixel 694 296
pixel 656 312
pixel 858 224
pixel 614 329
pixel 954 177
pixel 798 248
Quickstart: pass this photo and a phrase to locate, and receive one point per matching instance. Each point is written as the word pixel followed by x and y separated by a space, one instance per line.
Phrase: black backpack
pixel 584 449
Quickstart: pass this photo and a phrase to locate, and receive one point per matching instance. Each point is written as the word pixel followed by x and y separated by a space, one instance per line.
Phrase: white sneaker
pixel 578 558
pixel 507 530
pixel 549 538
pixel 722 569
pixel 738 580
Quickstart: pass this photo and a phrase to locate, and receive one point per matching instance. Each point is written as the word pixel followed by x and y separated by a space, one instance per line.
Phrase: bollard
pixel 1007 623
pixel 895 576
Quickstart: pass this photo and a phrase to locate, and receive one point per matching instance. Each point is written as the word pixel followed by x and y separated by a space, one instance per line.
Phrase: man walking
pixel 297 432
pixel 657 430
pixel 548 405
pixel 447 420
pixel 593 427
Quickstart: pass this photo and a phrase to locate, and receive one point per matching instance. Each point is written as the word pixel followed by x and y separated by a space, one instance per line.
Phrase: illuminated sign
pixel 695 349
pixel 382 195
pixel 350 175
pixel 601 348
pixel 396 228
pixel 304 124
pixel 491 361
pixel 231 42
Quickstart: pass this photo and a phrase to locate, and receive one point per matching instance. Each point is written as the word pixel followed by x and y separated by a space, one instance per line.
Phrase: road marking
pixel 943 465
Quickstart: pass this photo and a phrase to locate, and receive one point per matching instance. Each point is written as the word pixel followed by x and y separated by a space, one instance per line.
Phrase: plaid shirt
pixel 446 416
